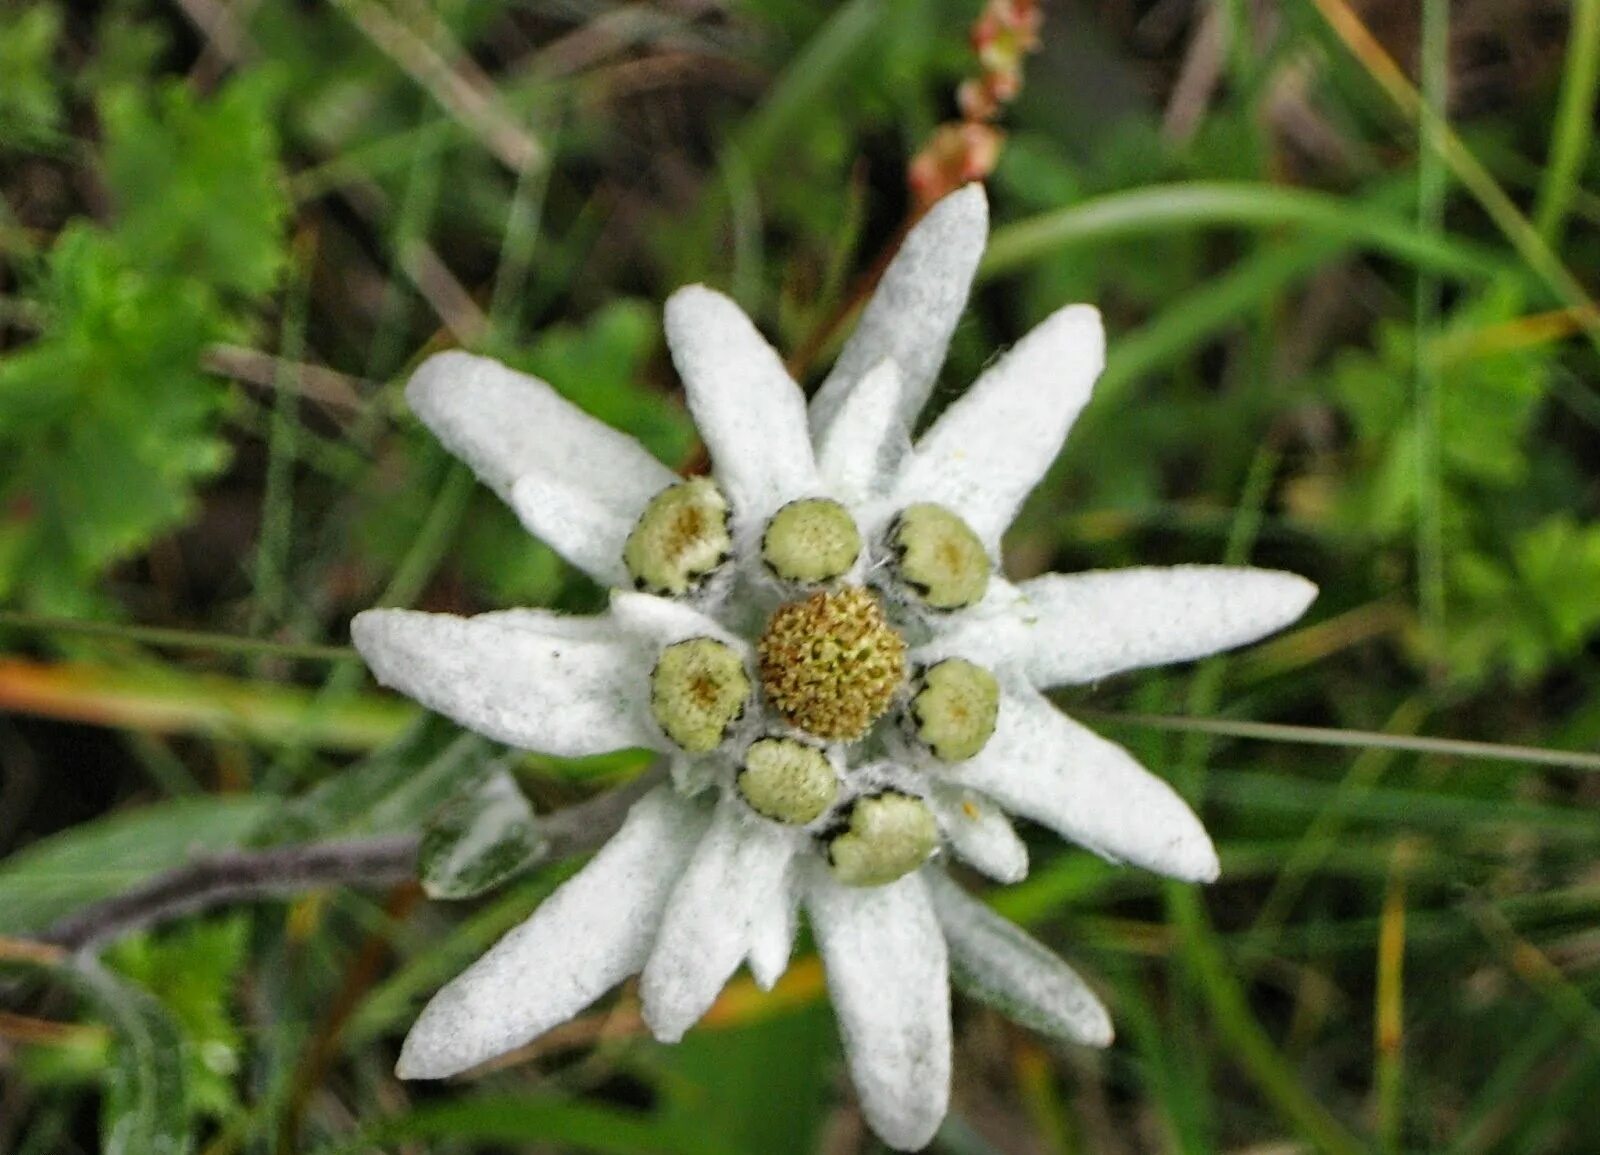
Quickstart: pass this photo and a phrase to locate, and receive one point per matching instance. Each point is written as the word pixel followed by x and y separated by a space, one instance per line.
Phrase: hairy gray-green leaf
pixel 394 789
pixel 146 1106
pixel 479 840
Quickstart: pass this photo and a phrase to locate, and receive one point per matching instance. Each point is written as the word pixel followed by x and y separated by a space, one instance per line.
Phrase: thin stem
pixel 433 539
pixel 1252 1048
pixel 247 875
pixel 239 876
pixel 1534 967
pixel 175 638
pixel 517 249
pixel 270 569
pixel 1389 1009
pixel 427 550
pixel 1326 831
pixel 455 84
pixel 1431 186
pixel 1363 739
pixel 1574 130
pixel 822 335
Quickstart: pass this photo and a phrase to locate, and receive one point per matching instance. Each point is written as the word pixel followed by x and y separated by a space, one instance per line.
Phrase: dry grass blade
pixel 460 90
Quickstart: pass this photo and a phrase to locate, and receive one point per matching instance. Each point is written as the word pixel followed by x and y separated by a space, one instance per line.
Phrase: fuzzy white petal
pixel 692 774
pixel 889 981
pixel 736 871
pixel 979 832
pixel 993 960
pixel 989 633
pixel 657 621
pixel 993 445
pixel 585 938
pixel 914 309
pixel 575 523
pixel 555 624
pixel 1044 766
pixel 772 934
pixel 505 677
pixel 751 414
pixel 868 441
pixel 1064 629
pixel 503 424
pixel 1079 627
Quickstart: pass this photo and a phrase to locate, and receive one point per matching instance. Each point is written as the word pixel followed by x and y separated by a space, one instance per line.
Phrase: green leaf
pixel 196 182
pixel 146 1107
pixel 193 971
pixel 1191 204
pixel 810 79
pixel 97 859
pixel 106 420
pixel 1527 614
pixel 483 837
pixel 767 1086
pixel 30 103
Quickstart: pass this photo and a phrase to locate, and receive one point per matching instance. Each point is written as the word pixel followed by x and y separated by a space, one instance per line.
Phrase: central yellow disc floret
pixel 831 664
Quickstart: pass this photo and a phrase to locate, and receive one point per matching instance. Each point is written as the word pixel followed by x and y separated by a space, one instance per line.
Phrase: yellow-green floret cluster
pixel 787 781
pixel 809 541
pixel 831 664
pixel 698 690
pixel 679 539
pixel 882 837
pixel 939 557
pixel 955 708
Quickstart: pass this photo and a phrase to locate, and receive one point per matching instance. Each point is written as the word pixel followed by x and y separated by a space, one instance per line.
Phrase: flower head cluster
pixel 819 638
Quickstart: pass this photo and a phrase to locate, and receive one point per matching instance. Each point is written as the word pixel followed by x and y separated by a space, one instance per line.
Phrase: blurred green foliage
pixel 30 105
pixel 224 245
pixel 108 420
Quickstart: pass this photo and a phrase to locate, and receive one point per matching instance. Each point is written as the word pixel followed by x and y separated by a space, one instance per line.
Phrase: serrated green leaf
pixel 196 182
pixel 96 859
pixel 1531 611
pixel 483 837
pixel 106 420
pixel 1486 412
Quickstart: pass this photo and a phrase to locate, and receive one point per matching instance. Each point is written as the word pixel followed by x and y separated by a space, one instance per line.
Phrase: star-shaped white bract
pixel 702 877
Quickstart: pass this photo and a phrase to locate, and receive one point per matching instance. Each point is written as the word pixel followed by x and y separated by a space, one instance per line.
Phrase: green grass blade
pixel 1201 204
pixel 1574 128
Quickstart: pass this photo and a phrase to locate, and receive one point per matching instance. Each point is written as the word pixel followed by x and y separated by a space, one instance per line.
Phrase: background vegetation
pixel 1345 251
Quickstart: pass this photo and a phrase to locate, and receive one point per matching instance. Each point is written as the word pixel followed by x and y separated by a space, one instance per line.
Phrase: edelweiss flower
pixel 818 637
